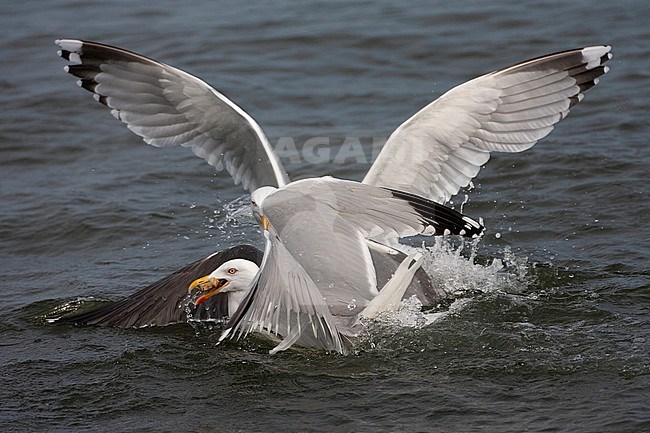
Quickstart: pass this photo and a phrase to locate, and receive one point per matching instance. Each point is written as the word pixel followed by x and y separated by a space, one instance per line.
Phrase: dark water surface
pixel 552 330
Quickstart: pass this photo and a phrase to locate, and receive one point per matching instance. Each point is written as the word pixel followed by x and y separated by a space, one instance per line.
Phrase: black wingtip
pixel 443 220
pixel 65 54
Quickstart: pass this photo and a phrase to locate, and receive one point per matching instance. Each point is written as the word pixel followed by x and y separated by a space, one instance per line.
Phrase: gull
pixel 168 300
pixel 317 276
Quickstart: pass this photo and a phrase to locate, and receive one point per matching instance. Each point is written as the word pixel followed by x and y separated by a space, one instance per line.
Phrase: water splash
pixel 462 274
pixel 233 220
pixel 237 212
pixel 71 307
pixel 457 270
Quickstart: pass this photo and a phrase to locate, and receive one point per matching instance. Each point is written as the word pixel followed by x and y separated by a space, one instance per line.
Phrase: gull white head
pixel 232 276
pixel 257 198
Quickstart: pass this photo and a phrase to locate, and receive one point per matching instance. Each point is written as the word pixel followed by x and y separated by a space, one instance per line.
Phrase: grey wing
pixel 284 301
pixel 166 301
pixel 443 146
pixel 169 107
pixel 380 214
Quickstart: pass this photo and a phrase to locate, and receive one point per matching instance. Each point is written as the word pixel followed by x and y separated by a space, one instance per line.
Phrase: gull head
pixel 232 276
pixel 257 198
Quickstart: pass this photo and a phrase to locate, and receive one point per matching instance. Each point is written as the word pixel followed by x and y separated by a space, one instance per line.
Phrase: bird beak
pixel 265 222
pixel 208 287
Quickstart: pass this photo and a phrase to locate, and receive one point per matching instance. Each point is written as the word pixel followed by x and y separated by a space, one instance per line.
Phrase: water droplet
pixel 498 235
pixel 352 305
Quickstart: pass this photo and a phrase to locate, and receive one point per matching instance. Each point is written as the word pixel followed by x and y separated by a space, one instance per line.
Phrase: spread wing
pixel 380 214
pixel 169 107
pixel 443 146
pixel 284 301
pixel 165 302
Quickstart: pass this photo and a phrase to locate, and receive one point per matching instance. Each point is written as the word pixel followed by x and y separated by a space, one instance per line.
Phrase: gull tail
pixel 391 295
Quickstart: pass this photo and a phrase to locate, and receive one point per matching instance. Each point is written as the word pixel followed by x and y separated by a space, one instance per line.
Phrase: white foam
pixel 453 269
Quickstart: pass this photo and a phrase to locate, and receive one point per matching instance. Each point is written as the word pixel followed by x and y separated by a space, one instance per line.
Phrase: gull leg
pixel 390 296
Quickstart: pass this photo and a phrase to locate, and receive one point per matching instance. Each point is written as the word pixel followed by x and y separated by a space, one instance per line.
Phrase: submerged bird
pixel 317 276
pixel 172 300
pixel 167 301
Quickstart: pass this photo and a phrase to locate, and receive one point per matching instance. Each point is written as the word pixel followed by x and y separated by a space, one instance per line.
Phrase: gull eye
pixel 232 271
